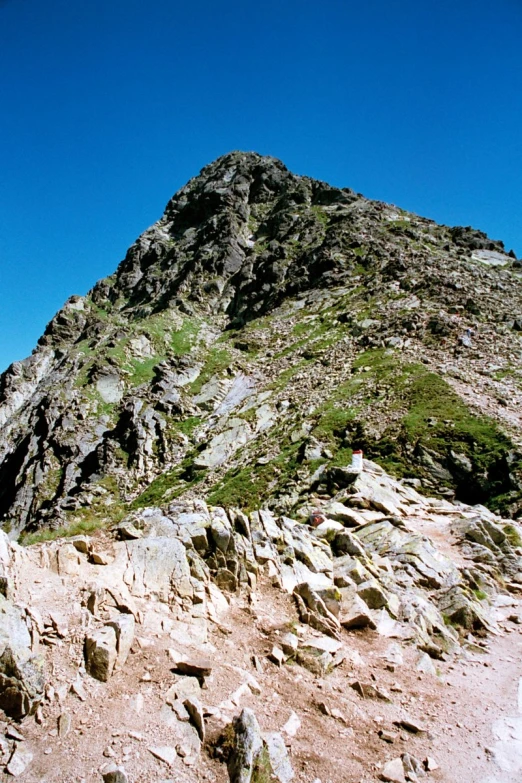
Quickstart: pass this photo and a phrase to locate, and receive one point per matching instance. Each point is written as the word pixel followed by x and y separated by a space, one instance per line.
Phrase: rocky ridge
pixel 264 327
pixel 154 648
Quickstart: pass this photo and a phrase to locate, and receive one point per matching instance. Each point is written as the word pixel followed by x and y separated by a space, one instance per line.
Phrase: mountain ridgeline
pixel 267 325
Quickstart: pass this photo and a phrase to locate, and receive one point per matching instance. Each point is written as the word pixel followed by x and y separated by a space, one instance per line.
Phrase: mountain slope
pixel 262 328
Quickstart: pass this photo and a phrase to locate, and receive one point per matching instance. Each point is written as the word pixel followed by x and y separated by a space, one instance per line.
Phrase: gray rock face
pixel 113 773
pixel 158 566
pixel 22 676
pixel 278 757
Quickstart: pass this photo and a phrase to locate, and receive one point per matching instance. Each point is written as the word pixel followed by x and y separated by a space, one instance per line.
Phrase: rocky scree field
pixel 193 643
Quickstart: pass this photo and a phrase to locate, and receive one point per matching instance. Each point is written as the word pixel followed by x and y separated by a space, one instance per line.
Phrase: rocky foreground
pixel 191 643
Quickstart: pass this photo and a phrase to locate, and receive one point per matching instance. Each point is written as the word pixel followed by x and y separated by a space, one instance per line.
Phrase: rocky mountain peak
pixel 196 571
pixel 223 239
pixel 264 327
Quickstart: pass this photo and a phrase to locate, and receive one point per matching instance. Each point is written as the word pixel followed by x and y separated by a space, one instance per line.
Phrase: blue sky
pixel 109 106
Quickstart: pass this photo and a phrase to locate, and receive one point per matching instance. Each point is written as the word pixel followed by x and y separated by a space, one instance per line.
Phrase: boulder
pixel 101 653
pixel 346 543
pixel 459 608
pixel 314 611
pixel 319 662
pixel 372 594
pixel 355 613
pixel 158 566
pixel 124 629
pixel 256 758
pixel 278 757
pixel 341 513
pixel 22 679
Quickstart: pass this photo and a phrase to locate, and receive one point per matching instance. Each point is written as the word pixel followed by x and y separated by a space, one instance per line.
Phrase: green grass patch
pixel 83 522
pixel 169 485
pixel 142 371
pixel 430 397
pixel 513 535
pixel 249 487
pixel 185 338
pixel 435 419
pixel 304 327
pixel 320 215
pixel 332 422
pixel 188 425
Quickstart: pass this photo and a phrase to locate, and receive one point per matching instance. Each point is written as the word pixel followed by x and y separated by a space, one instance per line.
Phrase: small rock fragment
pixel 19 761
pixel 112 773
pixel 128 532
pixel 195 710
pixel 388 736
pixel 425 664
pixel 165 753
pixel 78 689
pixel 195 667
pixel 64 724
pixel 14 734
pixel 393 772
pixel 289 643
pixel 100 558
pixel 410 725
pixel 292 725
pixel 277 656
pixel 412 766
pixel 368 691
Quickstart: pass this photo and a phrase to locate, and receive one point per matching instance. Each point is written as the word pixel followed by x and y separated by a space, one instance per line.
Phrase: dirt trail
pixel 468 708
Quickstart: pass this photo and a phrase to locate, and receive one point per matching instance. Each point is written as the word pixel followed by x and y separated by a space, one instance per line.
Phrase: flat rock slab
pixel 393 772
pixel 165 753
pixel 278 755
pixel 19 761
pixel 195 667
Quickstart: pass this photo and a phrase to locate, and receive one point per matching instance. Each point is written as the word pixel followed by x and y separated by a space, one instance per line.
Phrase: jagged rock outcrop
pixel 264 327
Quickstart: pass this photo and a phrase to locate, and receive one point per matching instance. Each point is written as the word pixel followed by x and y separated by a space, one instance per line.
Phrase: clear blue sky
pixel 109 106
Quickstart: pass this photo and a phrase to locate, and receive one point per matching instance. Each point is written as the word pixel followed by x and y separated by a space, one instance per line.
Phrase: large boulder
pixel 159 567
pixel 101 653
pixel 22 679
pixel 256 758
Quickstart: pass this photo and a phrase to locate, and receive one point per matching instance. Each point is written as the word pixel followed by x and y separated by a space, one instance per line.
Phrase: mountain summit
pixel 267 325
